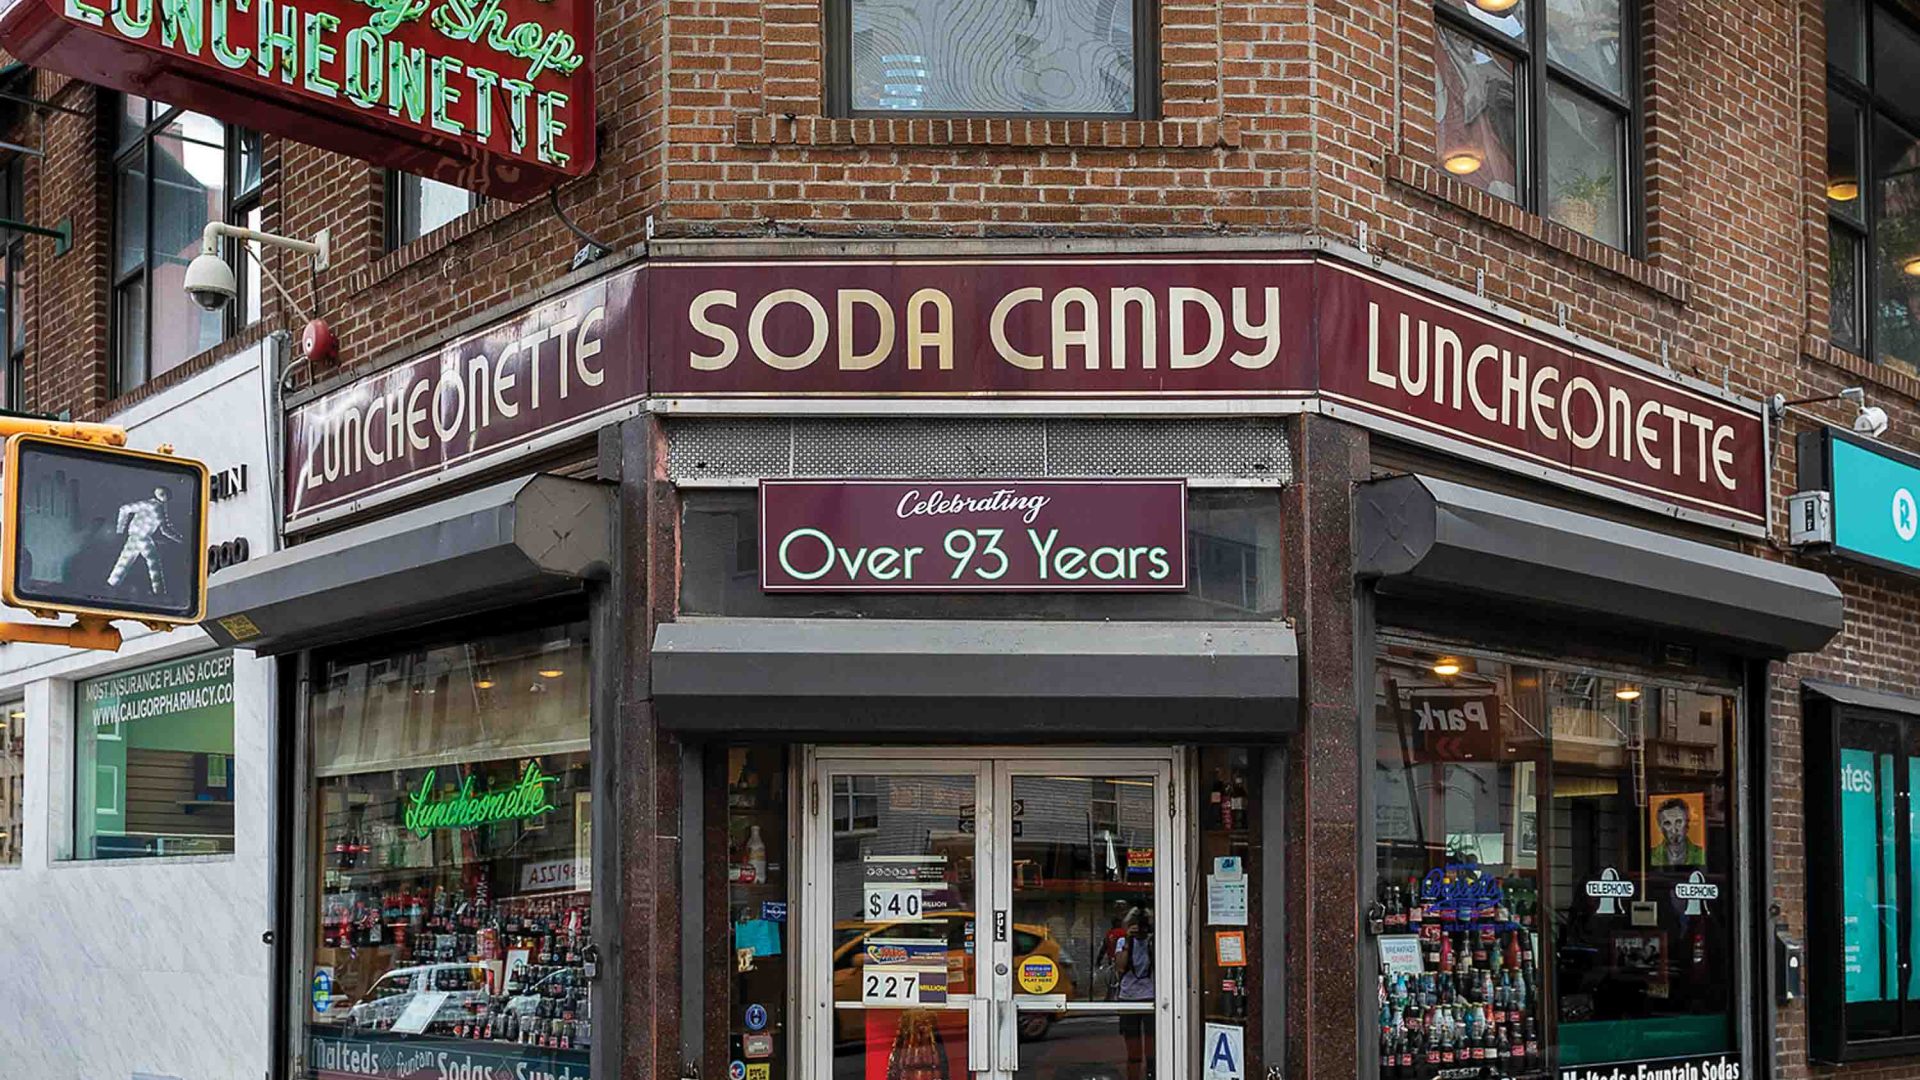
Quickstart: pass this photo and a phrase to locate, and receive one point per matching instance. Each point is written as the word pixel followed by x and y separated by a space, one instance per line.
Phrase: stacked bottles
pixel 1473 1010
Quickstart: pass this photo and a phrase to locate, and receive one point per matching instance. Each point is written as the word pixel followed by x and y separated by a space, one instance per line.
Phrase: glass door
pixel 1007 915
pixel 893 885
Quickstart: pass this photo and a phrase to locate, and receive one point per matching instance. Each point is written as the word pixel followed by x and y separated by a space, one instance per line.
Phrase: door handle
pixel 979 1035
pixel 1008 1053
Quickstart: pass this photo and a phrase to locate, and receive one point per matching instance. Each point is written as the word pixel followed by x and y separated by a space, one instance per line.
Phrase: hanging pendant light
pixel 1496 7
pixel 1462 162
pixel 1843 189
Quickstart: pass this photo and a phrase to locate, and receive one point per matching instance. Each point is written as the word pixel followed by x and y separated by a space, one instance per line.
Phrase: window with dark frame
pixel 1863 948
pixel 1081 59
pixel 1873 181
pixel 1538 102
pixel 417 205
pixel 174 171
pixel 13 322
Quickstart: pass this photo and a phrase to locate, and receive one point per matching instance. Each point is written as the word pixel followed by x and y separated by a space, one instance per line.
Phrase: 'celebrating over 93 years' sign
pixel 973 535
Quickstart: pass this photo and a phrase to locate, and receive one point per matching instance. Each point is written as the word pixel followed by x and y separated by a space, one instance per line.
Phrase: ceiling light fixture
pixel 1496 7
pixel 1628 693
pixel 1843 190
pixel 483 684
pixel 551 673
pixel 1463 162
pixel 1911 267
pixel 1446 666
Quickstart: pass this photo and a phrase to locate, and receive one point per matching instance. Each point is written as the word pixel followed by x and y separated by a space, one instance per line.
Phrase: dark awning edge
pixel 518 541
pixel 1860 697
pixel 864 677
pixel 1417 533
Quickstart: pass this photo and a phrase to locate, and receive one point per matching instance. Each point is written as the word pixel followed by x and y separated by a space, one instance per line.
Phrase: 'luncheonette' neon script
pixel 466 810
pixel 321 53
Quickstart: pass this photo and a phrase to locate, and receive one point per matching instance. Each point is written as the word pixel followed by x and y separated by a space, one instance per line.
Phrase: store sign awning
pixel 984 678
pixel 1419 535
pixel 492 95
pixel 1873 513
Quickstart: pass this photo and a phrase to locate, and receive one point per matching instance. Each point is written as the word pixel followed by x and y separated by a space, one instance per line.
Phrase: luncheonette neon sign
pixel 495 95
pixel 465 809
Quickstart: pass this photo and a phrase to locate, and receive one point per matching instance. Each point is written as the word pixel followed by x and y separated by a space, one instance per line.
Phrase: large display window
pixel 1863 770
pixel 153 761
pixel 450 858
pixel 1556 853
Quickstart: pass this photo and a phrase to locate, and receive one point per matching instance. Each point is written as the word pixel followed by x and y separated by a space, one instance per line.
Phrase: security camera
pixel 210 281
pixel 1871 421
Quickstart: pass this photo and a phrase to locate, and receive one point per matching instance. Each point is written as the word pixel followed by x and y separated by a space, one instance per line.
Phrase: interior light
pixel 1495 7
pixel 551 673
pixel 483 684
pixel 1445 666
pixel 18 714
pixel 1911 267
pixel 1463 162
pixel 1843 190
pixel 1628 693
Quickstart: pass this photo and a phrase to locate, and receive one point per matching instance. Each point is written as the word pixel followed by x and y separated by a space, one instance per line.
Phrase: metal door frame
pixel 992 1018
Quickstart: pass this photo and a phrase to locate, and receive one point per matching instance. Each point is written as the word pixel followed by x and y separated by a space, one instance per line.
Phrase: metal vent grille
pixel 735 451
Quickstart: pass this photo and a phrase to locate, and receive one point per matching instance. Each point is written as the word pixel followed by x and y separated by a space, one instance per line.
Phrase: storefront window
pixel 452 857
pixel 757 927
pixel 153 761
pixel 13 767
pixel 1556 856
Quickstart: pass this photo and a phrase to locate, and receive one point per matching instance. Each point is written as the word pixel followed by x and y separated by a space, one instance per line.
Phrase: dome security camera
pixel 1871 421
pixel 210 281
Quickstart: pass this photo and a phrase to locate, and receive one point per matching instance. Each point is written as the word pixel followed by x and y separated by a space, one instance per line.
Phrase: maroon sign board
pixel 973 535
pixel 1232 333
pixel 552 370
pixel 492 95
pixel 1306 328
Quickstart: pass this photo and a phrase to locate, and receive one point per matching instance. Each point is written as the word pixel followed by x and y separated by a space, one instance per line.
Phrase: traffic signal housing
pixel 102 531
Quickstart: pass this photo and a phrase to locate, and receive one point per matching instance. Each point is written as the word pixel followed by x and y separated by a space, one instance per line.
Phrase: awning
pixel 861 678
pixel 1860 698
pixel 1417 535
pixel 522 540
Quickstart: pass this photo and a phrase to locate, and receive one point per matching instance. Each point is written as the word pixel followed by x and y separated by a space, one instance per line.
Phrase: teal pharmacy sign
pixel 1876 496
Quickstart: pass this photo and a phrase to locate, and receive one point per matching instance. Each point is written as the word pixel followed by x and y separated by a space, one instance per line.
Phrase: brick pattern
pixel 762 130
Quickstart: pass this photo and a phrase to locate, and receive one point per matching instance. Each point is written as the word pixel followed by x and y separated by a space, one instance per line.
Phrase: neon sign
pixel 465 809
pixel 493 95
pixel 1461 890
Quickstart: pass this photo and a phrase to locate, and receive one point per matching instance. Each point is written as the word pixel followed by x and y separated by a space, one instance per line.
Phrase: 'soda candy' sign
pixel 491 95
pixel 973 536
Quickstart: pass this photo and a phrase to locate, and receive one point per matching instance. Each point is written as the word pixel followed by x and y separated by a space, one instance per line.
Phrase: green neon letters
pixel 464 809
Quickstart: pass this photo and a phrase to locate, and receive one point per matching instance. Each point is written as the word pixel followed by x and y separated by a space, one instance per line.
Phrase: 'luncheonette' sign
pixel 493 95
pixel 973 536
pixel 542 374
pixel 1284 332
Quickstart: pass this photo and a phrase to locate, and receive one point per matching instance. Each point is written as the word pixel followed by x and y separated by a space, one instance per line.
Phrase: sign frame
pixel 1175 487
pixel 10 532
pixel 1815 474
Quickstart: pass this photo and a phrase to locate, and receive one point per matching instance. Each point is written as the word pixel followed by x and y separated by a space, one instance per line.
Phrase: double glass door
pixel 993 915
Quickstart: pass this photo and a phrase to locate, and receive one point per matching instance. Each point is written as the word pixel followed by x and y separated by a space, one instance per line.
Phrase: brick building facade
pixel 1261 121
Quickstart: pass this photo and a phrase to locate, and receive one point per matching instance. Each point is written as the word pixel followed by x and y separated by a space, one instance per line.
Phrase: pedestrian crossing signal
pixel 102 531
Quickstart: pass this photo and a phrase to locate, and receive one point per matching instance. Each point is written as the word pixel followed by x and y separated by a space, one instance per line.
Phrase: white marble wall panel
pixel 146 965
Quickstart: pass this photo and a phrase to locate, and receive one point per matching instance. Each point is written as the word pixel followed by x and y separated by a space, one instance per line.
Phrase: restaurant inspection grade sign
pixel 973 535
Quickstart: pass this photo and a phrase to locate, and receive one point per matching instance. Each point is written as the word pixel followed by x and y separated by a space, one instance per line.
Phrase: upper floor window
pixel 1537 102
pixel 1873 180
pixel 173 172
pixel 417 205
pixel 13 267
pixel 1079 58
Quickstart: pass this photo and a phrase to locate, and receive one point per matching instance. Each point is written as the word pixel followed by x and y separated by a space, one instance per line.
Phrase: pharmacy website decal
pixel 385 1057
pixel 1695 1067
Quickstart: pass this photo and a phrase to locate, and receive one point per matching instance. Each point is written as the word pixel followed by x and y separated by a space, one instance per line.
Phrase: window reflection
pixel 1476 98
pixel 993 56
